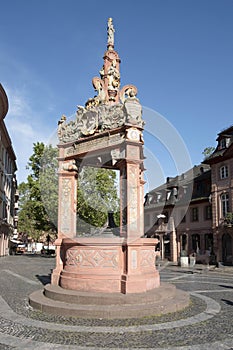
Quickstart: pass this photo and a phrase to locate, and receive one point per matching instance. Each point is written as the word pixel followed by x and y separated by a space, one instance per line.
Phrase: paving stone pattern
pixel 24 328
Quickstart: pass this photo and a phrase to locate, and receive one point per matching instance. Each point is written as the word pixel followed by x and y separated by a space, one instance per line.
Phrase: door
pixel 226 248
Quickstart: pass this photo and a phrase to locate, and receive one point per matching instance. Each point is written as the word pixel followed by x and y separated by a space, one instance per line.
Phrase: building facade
pixel 8 183
pixel 198 205
pixel 184 204
pixel 221 163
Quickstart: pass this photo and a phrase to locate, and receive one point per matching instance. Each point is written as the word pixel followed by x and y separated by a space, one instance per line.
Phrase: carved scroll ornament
pixel 100 118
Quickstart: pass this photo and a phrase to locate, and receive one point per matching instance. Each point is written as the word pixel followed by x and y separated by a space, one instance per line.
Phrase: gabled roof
pixel 182 187
pixel 222 153
pixel 227 132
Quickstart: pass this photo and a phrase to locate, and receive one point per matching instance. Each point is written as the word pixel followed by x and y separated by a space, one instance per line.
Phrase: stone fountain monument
pixel 114 270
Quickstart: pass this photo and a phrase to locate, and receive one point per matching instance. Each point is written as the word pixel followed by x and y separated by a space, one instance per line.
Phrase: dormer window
pixel 222 143
pixel 223 172
pixel 168 195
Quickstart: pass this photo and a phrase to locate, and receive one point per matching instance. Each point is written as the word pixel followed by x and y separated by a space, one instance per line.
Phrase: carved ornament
pixel 99 119
pixel 89 258
pixel 111 107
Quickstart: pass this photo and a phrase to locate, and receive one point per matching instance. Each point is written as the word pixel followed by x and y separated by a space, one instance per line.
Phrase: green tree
pixel 49 184
pixel 38 203
pixel 97 195
pixel 38 196
pixel 208 151
pixel 26 222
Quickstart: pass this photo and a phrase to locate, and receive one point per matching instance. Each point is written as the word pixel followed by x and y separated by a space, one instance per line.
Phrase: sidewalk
pixel 197 268
pixel 205 324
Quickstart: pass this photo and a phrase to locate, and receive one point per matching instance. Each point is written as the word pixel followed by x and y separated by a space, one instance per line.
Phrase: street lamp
pixel 161 229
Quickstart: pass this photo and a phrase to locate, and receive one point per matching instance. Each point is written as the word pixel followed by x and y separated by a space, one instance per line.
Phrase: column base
pixel 139 283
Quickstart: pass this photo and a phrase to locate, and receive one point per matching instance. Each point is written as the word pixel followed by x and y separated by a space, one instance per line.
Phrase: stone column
pixel 66 211
pixel 178 244
pixel 134 185
pixel 131 194
pixel 141 200
pixel 173 242
pixel 162 248
pixel 67 205
pixel 133 203
pixel 123 200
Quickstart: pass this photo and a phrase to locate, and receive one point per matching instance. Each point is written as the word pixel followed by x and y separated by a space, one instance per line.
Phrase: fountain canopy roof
pixel 112 106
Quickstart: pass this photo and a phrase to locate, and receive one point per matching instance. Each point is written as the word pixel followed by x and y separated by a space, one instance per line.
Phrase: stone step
pixel 165 291
pixel 164 299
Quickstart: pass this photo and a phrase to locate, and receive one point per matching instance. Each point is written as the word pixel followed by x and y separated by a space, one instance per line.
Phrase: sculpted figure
pixel 110 33
pixel 98 86
pixel 61 126
pixel 128 91
pixel 113 77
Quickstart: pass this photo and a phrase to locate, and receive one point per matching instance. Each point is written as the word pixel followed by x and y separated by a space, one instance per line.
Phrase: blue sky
pixel 178 53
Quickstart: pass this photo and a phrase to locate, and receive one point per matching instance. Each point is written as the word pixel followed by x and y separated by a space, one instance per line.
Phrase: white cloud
pixel 24 127
pixel 18 105
pixel 21 130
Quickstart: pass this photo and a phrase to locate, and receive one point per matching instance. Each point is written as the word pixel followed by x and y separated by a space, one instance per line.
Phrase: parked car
pixel 17 247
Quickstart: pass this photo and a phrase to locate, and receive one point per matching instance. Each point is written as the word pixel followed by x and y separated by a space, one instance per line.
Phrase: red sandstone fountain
pixel 114 270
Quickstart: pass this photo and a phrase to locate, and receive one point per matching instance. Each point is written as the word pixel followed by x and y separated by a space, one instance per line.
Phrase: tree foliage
pixel 97 195
pixel 49 183
pixel 38 196
pixel 208 151
pixel 38 202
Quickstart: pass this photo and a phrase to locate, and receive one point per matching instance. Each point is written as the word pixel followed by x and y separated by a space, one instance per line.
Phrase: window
pixel 194 214
pixel 222 143
pixel 225 204
pixel 208 212
pixel 224 172
pixel 158 197
pixel 168 195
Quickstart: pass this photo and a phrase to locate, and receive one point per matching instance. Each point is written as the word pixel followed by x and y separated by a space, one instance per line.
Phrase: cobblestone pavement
pixel 206 324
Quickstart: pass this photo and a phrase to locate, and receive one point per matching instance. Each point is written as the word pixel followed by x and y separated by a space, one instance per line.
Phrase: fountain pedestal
pixel 109 265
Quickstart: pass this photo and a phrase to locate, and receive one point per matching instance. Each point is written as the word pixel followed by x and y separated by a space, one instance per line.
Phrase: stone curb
pixel 212 309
